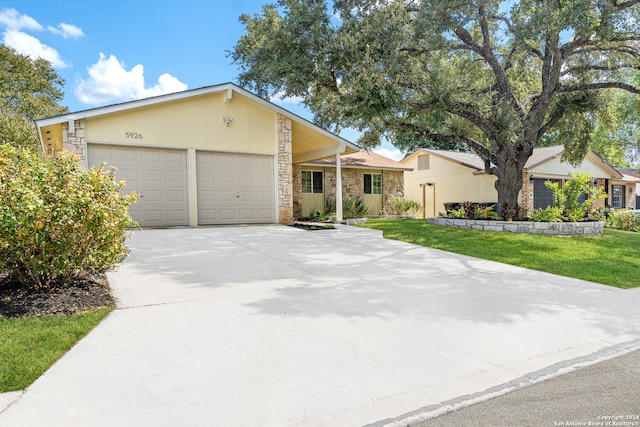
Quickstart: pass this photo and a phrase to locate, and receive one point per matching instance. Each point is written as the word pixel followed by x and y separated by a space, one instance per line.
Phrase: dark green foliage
pixel 57 219
pixel 496 78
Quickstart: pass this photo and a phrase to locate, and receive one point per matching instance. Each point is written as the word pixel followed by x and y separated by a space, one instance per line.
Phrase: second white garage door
pixel 235 188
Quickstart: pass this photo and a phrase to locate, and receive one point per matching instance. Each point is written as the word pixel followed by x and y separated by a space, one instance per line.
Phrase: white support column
pixel 338 185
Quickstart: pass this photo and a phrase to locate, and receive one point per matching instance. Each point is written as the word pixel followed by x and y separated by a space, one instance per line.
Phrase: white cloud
pixel 280 99
pixel 392 154
pixel 28 45
pixel 67 31
pixel 109 81
pixel 14 20
pixel 15 24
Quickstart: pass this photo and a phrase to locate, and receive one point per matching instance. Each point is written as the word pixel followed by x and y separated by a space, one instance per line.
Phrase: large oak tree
pixel 496 76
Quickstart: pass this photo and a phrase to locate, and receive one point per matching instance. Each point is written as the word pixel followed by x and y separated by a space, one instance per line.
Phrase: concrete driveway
pixel 275 326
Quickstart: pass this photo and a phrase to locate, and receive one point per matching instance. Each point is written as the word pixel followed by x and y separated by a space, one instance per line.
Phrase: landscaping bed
pixel 88 292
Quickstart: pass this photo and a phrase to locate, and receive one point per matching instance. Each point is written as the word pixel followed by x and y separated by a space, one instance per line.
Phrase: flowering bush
pixel 57 219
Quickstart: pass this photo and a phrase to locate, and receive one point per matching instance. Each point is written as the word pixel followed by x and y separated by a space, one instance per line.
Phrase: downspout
pixel 424 200
pixel 339 184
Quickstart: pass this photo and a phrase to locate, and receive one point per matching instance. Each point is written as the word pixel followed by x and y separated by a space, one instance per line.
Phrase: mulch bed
pixel 88 292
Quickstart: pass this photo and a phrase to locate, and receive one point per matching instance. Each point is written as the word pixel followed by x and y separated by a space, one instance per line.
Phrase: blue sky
pixel 115 51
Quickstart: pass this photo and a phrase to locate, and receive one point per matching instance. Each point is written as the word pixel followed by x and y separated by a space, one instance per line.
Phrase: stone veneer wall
pixel 594 228
pixel 353 182
pixel 76 142
pixel 285 170
pixel 392 186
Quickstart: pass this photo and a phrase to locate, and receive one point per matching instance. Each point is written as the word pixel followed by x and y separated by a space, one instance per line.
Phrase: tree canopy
pixel 29 90
pixel 496 76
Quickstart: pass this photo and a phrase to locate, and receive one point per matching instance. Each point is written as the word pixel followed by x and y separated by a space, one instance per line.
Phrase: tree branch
pixel 625 4
pixel 598 86
pixel 600 68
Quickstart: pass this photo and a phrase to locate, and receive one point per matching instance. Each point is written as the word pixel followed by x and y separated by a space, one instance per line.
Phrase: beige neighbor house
pixel 439 177
pixel 214 155
pixel 365 175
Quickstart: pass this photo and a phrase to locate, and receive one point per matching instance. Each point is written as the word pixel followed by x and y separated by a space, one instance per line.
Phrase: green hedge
pixel 57 219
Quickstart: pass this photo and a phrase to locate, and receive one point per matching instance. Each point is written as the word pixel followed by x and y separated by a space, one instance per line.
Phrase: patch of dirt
pixel 88 292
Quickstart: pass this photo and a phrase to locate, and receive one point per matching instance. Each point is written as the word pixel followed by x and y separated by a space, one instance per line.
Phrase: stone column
pixel 285 170
pixel 526 204
pixel 76 142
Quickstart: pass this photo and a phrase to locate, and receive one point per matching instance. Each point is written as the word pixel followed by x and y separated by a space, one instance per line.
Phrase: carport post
pixel 339 185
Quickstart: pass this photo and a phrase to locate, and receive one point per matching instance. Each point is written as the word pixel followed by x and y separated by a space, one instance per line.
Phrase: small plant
pixel 399 206
pixel 354 208
pixel 457 213
pixel 57 219
pixel 485 213
pixel 549 214
pixel 469 210
pixel 509 213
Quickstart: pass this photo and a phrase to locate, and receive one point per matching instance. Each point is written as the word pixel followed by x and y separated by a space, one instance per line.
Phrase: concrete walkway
pixel 275 326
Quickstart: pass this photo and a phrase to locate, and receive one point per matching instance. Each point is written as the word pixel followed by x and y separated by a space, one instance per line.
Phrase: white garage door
pixel 235 188
pixel 160 177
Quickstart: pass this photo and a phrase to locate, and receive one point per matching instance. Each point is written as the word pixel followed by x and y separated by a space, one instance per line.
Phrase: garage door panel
pixel 226 177
pixel 176 196
pixel 247 214
pixel 264 196
pixel 245 178
pixel 152 175
pixel 130 175
pixel 161 184
pixel 151 155
pixel 241 190
pixel 228 214
pixel 124 154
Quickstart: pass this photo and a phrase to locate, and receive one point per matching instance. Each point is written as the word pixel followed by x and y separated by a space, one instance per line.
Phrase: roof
pixel 629 172
pixel 362 159
pixel 227 88
pixel 539 156
pixel 543 154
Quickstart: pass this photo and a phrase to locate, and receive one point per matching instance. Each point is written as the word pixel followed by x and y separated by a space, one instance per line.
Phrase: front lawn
pixel 612 259
pixel 31 345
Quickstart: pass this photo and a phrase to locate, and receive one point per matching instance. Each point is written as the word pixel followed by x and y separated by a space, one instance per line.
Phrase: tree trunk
pixel 509 182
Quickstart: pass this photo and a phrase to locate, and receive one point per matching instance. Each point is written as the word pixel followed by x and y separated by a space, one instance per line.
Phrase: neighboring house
pixel 632 176
pixel 365 175
pixel 439 177
pixel 214 155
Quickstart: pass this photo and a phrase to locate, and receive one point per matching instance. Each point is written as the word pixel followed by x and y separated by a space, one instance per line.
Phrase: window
pixel 372 183
pixel 312 182
pixel 423 162
pixel 617 196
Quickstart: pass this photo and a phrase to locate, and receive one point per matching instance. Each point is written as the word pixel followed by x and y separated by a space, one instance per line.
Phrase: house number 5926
pixel 133 135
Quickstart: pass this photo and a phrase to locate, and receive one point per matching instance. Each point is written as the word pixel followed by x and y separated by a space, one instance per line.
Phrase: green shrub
pixel 351 208
pixel 57 219
pixel 400 206
pixel 623 220
pixel 567 199
pixel 354 208
pixel 549 214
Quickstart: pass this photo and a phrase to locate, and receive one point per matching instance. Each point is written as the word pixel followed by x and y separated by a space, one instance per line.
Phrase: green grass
pixel 611 259
pixel 28 347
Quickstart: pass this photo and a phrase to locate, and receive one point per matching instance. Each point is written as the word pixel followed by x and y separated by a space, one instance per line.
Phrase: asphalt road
pixel 604 394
